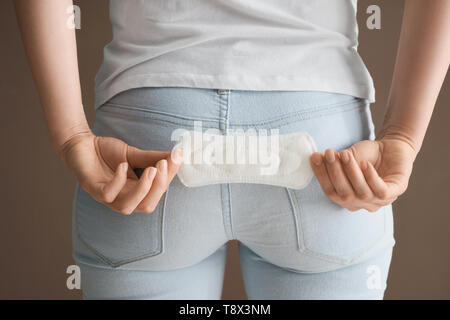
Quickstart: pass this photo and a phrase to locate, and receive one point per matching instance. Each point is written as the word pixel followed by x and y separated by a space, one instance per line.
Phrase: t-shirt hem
pixel 274 83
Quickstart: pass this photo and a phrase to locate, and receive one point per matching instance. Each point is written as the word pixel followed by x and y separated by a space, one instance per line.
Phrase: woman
pixel 291 66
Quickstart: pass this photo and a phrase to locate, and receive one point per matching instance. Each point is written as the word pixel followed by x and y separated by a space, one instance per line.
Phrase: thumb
pixel 138 158
pixel 366 150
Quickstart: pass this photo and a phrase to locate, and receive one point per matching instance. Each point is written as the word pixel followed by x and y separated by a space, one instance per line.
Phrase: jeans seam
pixel 162 218
pixel 312 111
pixel 224 123
pixel 227 114
pixel 297 120
pixel 225 211
pixel 230 211
pixel 297 228
pixel 164 121
pixel 224 110
pixel 143 110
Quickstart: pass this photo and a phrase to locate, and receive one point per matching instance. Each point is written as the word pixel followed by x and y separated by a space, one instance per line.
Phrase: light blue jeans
pixel 293 244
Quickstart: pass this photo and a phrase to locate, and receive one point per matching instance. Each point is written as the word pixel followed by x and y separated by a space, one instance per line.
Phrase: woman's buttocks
pixel 297 229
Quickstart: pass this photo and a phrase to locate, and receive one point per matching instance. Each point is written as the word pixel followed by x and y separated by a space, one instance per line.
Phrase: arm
pixel 103 166
pixel 371 174
pixel 52 54
pixel 422 62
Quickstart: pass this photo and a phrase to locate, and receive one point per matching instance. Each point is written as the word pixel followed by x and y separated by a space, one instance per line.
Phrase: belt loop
pixel 223 91
pixel 224 103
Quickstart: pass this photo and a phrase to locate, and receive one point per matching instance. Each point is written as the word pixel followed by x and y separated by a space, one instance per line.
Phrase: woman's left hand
pixel 368 175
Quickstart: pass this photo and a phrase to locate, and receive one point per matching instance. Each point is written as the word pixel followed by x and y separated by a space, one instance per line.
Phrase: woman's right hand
pixel 104 168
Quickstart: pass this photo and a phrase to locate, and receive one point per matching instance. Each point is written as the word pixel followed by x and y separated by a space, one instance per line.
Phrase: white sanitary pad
pixel 275 159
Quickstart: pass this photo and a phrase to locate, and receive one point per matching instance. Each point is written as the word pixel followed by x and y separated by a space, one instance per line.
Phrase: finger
pixel 363 209
pixel 319 169
pixel 378 186
pixel 159 186
pixel 174 162
pixel 373 208
pixel 109 191
pixel 127 202
pixel 355 175
pixel 352 208
pixel 337 176
pixel 138 158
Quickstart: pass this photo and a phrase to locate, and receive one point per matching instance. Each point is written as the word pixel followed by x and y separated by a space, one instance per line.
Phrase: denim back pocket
pixel 115 238
pixel 329 232
pixel 325 230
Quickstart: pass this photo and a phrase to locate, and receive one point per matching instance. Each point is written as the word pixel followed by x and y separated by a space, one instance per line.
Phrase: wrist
pixel 387 134
pixel 63 141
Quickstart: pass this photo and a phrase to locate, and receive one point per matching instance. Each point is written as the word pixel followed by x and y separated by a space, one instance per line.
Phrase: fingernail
pixel 123 166
pixel 177 156
pixel 330 156
pixel 344 156
pixel 318 161
pixel 162 166
pixel 151 173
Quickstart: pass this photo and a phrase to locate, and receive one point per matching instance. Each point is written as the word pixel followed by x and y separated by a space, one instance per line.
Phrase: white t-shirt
pixel 234 44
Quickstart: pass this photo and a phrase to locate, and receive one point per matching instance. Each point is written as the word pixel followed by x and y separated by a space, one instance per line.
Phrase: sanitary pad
pixel 273 159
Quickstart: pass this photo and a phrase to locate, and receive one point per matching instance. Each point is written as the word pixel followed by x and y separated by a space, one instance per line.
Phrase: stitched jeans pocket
pixel 326 231
pixel 332 233
pixel 115 238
